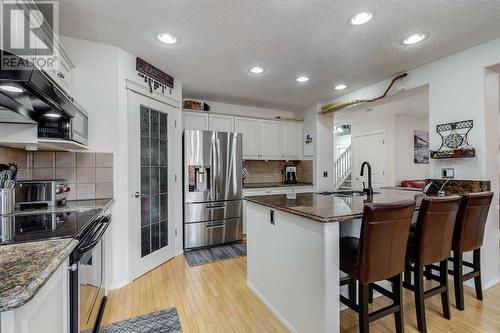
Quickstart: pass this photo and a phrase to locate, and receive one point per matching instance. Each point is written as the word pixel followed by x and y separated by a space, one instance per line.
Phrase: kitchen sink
pixel 346 193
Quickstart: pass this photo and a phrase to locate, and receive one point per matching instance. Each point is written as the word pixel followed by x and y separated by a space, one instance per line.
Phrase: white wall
pixel 458 90
pixel 405 167
pixel 321 129
pixel 98 84
pixel 247 111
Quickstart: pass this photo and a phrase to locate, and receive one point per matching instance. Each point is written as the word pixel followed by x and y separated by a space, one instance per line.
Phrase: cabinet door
pixel 291 139
pixel 270 139
pixel 195 121
pixel 221 123
pixel 249 128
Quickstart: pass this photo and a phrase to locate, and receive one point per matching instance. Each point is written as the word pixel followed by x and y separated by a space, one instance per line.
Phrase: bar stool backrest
pixel 435 224
pixel 471 221
pixel 384 235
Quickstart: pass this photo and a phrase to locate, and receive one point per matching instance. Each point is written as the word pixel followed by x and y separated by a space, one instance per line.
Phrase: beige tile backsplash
pixel 271 171
pixel 89 175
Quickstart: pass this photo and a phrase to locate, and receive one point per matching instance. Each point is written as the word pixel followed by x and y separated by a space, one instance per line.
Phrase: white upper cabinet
pixel 263 139
pixel 270 139
pixel 291 140
pixel 195 121
pixel 221 123
pixel 249 128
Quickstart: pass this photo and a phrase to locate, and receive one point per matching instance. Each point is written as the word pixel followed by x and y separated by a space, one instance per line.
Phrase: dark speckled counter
pixel 327 209
pixel 25 267
pixel 71 206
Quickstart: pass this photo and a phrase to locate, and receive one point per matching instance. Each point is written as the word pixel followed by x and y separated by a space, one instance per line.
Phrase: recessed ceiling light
pixel 340 87
pixel 167 38
pixel 256 70
pixel 302 79
pixel 360 18
pixel 413 39
pixel 52 115
pixel 11 88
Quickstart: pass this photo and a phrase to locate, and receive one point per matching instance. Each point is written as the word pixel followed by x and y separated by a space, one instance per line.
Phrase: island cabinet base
pixel 293 267
pixel 46 312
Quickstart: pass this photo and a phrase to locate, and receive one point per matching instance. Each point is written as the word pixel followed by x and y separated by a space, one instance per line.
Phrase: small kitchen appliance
pixel 291 174
pixel 41 192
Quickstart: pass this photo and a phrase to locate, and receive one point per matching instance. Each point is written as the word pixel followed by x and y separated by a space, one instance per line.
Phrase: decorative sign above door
pixel 155 78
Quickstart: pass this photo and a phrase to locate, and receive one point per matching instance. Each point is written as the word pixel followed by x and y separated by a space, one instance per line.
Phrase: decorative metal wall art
pixel 454 140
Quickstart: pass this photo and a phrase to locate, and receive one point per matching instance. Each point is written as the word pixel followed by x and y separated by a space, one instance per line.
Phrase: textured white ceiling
pixel 220 39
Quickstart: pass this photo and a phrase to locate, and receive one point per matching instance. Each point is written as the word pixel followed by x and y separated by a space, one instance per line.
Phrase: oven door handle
pixel 96 239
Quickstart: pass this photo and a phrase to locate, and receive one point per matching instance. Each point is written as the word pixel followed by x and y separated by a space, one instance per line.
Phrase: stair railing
pixel 342 168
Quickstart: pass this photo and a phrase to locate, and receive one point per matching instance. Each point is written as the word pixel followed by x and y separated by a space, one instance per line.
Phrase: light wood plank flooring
pixel 214 298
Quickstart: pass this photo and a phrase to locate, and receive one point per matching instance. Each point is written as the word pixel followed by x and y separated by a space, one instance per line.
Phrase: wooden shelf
pixel 448 154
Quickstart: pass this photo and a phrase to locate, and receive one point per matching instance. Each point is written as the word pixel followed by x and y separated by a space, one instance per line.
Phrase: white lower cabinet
pixel 47 312
pixel 272 191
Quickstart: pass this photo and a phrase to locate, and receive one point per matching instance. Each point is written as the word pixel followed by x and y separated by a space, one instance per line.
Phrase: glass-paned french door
pixel 154 180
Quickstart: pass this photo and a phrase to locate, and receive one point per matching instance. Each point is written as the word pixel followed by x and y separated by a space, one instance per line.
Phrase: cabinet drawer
pixel 199 212
pixel 212 233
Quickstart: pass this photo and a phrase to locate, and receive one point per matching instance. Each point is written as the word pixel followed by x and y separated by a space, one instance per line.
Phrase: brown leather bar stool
pixel 379 254
pixel 468 236
pixel 431 243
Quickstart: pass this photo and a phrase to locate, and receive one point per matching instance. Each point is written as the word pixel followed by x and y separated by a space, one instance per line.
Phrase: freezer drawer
pixel 209 211
pixel 212 233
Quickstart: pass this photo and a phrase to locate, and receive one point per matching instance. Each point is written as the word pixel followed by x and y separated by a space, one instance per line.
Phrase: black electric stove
pixel 33 227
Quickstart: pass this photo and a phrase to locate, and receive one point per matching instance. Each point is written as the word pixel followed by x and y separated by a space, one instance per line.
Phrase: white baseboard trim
pixel 118 285
pixel 271 307
pixel 491 283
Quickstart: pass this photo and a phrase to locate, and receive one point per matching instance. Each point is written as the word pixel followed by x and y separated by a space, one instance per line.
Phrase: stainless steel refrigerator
pixel 212 188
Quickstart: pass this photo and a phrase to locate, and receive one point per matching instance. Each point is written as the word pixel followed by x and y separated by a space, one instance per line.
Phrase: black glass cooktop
pixel 28 228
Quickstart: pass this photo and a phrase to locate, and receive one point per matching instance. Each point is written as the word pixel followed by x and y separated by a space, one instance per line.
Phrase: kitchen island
pixel 293 253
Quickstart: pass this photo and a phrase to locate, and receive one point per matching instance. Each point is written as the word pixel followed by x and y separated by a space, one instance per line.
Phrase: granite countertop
pixel 25 267
pixel 71 206
pixel 265 185
pixel 326 209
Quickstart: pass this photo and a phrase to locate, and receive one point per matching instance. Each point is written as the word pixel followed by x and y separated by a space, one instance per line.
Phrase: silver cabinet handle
pixel 217 226
pixel 73 267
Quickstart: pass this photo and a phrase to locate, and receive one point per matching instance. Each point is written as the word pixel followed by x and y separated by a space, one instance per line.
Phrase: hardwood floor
pixel 214 298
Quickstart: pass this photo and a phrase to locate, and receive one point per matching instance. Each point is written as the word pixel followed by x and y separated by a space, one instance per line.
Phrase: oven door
pixel 91 279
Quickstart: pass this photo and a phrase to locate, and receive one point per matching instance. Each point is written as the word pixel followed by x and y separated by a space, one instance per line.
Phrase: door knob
pixel 137 195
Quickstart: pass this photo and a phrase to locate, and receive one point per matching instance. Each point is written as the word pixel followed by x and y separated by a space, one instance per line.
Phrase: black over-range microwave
pixel 31 93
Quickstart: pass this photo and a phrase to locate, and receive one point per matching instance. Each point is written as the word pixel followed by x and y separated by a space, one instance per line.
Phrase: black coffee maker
pixel 290 174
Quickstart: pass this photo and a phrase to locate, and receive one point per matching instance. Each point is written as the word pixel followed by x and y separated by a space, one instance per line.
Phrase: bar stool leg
pixel 443 277
pixel 363 292
pixel 419 298
pixel 477 268
pixel 352 290
pixel 458 279
pixel 397 289
pixel 370 294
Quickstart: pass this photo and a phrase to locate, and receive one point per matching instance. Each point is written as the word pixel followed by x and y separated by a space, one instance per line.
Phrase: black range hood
pixel 35 94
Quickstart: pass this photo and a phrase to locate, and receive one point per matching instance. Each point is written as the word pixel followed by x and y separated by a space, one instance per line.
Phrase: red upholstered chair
pixel 414 183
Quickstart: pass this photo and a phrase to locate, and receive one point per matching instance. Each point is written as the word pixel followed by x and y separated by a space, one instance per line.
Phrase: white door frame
pixel 138 95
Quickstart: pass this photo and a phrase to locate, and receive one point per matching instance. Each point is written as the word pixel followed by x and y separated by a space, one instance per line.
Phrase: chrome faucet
pixel 369 189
